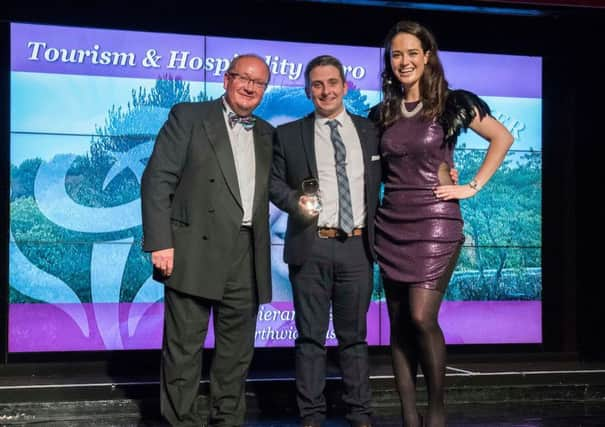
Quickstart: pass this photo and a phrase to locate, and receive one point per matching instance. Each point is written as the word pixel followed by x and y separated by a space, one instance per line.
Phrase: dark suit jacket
pixel 191 200
pixel 294 160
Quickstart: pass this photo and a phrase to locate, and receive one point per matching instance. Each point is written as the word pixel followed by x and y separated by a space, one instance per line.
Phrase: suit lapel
pixel 362 132
pixel 216 129
pixel 308 138
pixel 262 158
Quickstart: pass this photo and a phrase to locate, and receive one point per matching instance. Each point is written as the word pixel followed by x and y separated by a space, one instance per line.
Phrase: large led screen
pixel 85 107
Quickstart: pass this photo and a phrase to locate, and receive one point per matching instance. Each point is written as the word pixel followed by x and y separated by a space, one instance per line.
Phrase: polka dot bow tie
pixel 247 122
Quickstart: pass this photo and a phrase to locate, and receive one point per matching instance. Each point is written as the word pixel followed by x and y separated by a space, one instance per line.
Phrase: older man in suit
pixel 205 221
pixel 329 253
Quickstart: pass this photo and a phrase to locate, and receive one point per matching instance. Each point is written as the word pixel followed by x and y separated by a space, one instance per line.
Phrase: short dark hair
pixel 320 61
pixel 235 60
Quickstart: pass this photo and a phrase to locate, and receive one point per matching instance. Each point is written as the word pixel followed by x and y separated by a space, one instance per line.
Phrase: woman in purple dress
pixel 419 226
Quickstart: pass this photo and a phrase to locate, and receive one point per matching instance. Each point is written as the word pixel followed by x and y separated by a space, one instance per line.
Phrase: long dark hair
pixel 433 86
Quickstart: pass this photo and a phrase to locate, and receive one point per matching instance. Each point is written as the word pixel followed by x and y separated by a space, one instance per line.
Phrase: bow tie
pixel 246 122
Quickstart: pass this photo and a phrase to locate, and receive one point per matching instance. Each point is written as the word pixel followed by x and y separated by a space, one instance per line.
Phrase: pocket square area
pixel 376 157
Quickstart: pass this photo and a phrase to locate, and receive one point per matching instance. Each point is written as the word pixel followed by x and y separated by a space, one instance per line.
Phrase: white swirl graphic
pixel 150 293
pixel 106 270
pixel 28 279
pixel 54 202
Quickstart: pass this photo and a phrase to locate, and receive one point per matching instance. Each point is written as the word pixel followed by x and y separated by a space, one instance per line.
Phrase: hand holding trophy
pixel 310 201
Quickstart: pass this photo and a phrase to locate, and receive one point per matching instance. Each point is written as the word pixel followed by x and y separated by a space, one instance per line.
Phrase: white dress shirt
pixel 242 145
pixel 326 168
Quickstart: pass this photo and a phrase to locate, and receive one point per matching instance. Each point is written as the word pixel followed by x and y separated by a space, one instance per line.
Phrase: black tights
pixel 416 337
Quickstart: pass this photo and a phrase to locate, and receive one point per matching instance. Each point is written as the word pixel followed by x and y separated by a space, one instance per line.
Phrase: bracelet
pixel 474 185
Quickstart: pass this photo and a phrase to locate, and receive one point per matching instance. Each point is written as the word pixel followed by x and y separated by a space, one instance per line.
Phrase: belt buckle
pixel 319 230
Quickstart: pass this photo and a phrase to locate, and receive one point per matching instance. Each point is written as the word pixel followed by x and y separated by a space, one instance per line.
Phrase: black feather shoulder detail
pixel 374 114
pixel 459 112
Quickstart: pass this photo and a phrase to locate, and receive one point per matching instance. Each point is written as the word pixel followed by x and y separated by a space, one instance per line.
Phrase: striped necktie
pixel 345 210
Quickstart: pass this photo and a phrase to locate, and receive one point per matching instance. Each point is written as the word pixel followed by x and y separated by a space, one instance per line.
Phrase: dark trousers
pixel 337 272
pixel 185 327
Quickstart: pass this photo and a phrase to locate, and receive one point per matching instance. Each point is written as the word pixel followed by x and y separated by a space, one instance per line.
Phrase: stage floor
pixel 510 390
pixel 116 413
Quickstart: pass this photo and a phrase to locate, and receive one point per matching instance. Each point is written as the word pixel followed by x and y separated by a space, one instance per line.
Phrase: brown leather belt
pixel 333 233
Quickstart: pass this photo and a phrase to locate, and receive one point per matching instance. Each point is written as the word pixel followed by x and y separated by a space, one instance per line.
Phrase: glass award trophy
pixel 310 189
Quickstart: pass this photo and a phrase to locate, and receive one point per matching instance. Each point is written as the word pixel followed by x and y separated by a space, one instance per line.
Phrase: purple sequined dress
pixel 416 233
